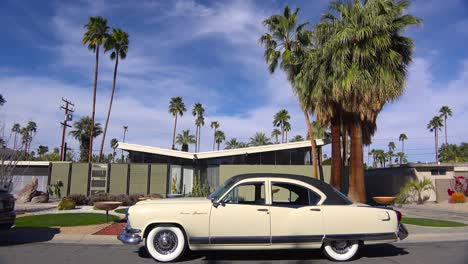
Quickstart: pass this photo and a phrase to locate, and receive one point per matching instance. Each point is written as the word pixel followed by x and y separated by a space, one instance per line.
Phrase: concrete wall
pixel 118 179
pixel 387 181
pixel 228 171
pixel 138 178
pixel 79 178
pixel 158 179
pixel 60 172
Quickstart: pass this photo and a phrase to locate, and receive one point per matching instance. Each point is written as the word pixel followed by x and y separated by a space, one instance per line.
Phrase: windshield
pixel 221 189
pixel 343 196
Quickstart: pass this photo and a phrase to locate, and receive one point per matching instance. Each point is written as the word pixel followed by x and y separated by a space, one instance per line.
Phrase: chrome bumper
pixel 130 235
pixel 402 231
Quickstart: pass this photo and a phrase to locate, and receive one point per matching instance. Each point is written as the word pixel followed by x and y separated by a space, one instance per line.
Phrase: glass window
pixel 438 172
pixel 288 194
pixel 247 193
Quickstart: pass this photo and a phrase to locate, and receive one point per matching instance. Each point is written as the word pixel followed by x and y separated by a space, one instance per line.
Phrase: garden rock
pixel 28 191
pixel 43 198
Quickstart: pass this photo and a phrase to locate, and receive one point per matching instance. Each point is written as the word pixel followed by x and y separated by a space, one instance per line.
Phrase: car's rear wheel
pixel 165 243
pixel 341 250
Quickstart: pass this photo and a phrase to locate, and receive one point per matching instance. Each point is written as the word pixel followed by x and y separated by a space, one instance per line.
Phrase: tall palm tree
pixel 234 144
pixel 390 153
pixel 286 41
pixel 113 144
pixel 402 138
pixel 198 112
pixel 219 137
pixel 16 129
pixel 297 138
pixel 176 108
pixel 369 57
pixel 259 139
pixel 214 125
pixel 32 129
pixel 445 112
pixel 117 43
pixel 2 100
pixel 184 139
pixel 276 132
pixel 435 125
pixel 401 157
pixel 81 133
pixel 95 36
pixel 287 128
pixel 280 119
pixel 41 150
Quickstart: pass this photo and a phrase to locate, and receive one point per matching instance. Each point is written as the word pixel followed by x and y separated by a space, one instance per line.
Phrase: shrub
pixel 66 204
pixel 101 197
pixel 79 199
pixel 457 197
pixel 127 200
pixel 414 191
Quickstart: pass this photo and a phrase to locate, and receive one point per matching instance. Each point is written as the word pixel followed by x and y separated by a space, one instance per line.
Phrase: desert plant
pixel 457 197
pixel 79 199
pixel 199 189
pixel 416 189
pixel 174 187
pixel 66 204
pixel 54 189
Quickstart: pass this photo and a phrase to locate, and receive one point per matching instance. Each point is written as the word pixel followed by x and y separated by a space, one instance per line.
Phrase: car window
pixel 247 193
pixel 288 194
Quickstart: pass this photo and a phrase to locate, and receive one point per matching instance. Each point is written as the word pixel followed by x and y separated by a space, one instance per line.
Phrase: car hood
pixel 192 200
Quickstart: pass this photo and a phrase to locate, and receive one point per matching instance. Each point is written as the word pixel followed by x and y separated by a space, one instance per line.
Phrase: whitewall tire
pixel 341 250
pixel 165 243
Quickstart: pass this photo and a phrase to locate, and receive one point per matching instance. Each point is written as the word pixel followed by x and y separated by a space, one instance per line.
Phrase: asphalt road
pixel 434 252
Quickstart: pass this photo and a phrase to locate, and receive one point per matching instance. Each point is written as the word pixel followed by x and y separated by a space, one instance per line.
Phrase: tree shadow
pixel 26 235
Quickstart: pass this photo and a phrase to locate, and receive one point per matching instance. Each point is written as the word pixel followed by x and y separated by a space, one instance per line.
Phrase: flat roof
pixel 219 153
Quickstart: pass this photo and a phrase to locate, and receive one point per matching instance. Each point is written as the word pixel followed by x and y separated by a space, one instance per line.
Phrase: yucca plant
pixel 417 188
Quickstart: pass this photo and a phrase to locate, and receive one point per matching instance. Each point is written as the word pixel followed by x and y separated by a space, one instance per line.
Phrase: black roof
pixel 333 196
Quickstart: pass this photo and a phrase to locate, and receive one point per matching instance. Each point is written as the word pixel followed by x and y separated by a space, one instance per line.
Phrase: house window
pixel 438 172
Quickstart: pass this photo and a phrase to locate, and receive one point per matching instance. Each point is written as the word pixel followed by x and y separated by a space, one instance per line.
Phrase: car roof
pixel 333 198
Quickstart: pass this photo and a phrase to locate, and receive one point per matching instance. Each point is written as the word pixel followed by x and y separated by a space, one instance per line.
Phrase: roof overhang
pixel 220 153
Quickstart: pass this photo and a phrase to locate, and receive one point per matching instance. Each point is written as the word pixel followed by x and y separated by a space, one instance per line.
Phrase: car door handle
pixel 262 210
pixel 315 209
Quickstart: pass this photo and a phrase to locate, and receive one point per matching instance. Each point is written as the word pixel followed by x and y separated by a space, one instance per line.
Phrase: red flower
pixel 450 192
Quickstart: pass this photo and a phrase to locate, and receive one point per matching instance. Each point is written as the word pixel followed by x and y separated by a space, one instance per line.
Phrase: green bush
pixel 66 204
pixel 80 199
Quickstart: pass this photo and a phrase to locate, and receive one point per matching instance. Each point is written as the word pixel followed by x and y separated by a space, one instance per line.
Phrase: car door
pixel 242 216
pixel 295 216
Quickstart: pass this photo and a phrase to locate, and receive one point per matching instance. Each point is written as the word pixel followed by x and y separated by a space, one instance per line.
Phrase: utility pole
pixel 125 132
pixel 68 108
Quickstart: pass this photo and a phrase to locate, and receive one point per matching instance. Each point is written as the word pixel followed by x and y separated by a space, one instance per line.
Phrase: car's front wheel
pixel 165 243
pixel 341 250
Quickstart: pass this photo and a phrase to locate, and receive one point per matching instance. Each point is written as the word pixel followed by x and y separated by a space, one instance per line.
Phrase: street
pixel 433 252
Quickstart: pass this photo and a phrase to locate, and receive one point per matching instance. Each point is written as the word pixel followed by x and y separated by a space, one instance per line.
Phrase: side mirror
pixel 215 204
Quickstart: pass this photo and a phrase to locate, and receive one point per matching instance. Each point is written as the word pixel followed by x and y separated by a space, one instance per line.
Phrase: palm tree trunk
pixel 357 191
pixel 199 138
pixel 436 144
pixel 196 138
pixel 173 133
pixel 403 146
pixel 445 124
pixel 90 151
pixel 218 145
pixel 214 139
pixel 276 139
pixel 282 134
pixel 313 147
pixel 336 163
pixel 14 142
pixel 109 109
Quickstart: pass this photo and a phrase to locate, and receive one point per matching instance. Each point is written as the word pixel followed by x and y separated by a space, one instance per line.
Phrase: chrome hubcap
pixel 165 242
pixel 340 247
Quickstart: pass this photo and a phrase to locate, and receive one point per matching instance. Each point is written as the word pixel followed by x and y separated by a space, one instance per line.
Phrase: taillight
pixel 399 215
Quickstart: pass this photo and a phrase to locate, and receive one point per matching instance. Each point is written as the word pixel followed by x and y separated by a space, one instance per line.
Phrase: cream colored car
pixel 261 211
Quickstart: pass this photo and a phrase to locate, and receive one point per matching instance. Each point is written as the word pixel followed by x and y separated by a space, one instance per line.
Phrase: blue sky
pixel 208 52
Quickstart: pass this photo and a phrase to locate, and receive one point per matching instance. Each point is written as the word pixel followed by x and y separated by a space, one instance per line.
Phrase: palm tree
pixel 320 131
pixel 363 65
pixel 16 129
pixel 287 41
pixel 280 119
pixel 81 133
pixel 297 138
pixel 113 144
pixel 198 112
pixel 234 144
pixel 25 138
pixel 401 157
pixel 219 137
pixel 276 132
pixel 445 112
pixel 402 138
pixel 287 128
pixel 95 36
pixel 2 100
pixel 259 139
pixel 419 187
pixel 176 108
pixel 117 43
pixel 184 139
pixel 41 150
pixel 214 125
pixel 32 129
pixel 434 126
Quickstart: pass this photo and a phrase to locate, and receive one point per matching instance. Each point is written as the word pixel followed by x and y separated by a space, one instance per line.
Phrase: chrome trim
pixel 402 231
pixel 130 235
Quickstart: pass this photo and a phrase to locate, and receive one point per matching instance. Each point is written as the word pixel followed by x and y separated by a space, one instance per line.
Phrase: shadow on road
pixel 369 251
pixel 26 235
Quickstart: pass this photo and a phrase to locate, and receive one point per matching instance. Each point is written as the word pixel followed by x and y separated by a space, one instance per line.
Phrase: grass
pixel 430 222
pixel 70 219
pixel 121 211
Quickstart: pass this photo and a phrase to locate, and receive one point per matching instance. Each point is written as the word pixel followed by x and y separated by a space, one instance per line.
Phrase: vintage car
pixel 7 210
pixel 261 211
